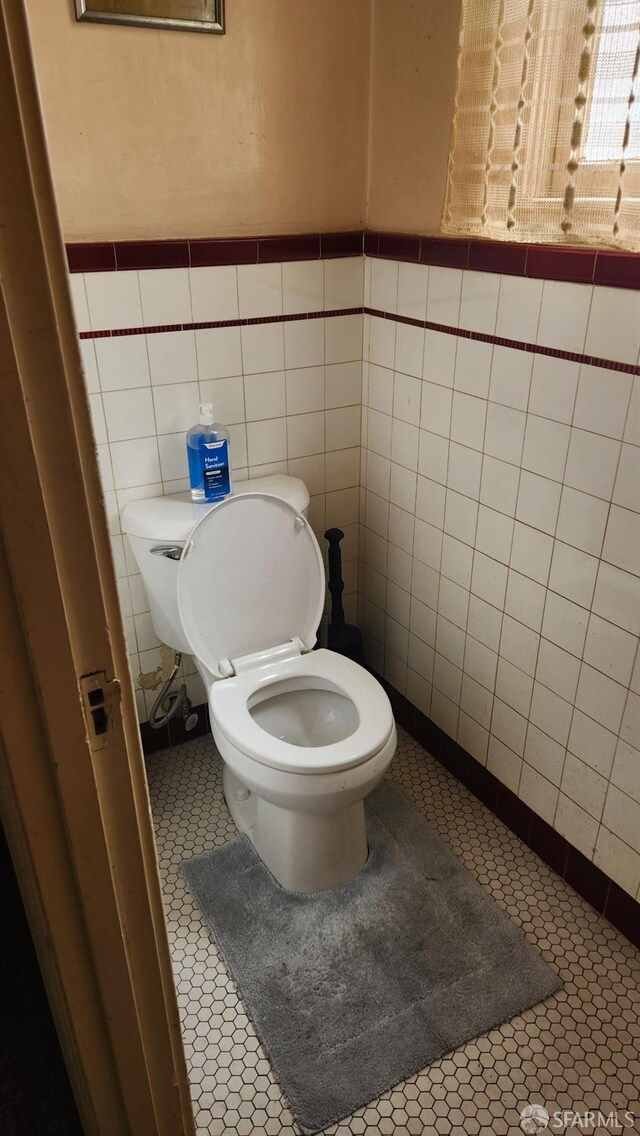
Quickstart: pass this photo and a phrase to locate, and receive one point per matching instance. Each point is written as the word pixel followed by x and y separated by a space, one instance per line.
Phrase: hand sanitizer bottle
pixel 209 459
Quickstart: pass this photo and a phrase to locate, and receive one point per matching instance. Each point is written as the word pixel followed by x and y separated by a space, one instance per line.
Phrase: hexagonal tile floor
pixel 579 1052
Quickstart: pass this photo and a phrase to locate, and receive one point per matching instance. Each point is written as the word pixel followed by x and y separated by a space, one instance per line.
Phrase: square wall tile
pixel 435 414
pixel 479 301
pixel 554 384
pixel 519 644
pixel 214 293
pixel 538 502
pixel 610 649
pixel 218 352
pixel 473 367
pixel 342 427
pixel 602 401
pixel 424 586
pixel 499 488
pixel 613 331
pixel 267 441
pixel 622 539
pixel 557 670
pixel 264 396
pixel 489 579
pixel 413 281
pixel 380 389
pixel 305 434
pixel 464 470
pixel 409 349
pixel 304 343
pixel 172 357
pixel 343 282
pixel 173 457
pixel 504 436
pixel 343 340
pixel 545 447
pixel 622 816
pixel 305 390
pixel 581 520
pixel 382 342
pixel 592 463
pixel 627 485
pixel 531 552
pixel 443 296
pixel 573 573
pixel 440 351
pixel 565 624
pixel 122 361
pixel 467 420
pixel 601 698
pixel 617 597
pixel 407 393
pixel 519 308
pixel 384 285
pixel 113 300
pixel 433 455
pixel 343 384
pixel 227 396
pixel 176 407
pixel 262 348
pixel 165 295
pixel 129 414
pixel 544 754
pixel 592 743
pixel 404 443
pixel 259 290
pixel 584 786
pixel 494 534
pixel 302 286
pixel 563 315
pixel 511 377
pixel 136 462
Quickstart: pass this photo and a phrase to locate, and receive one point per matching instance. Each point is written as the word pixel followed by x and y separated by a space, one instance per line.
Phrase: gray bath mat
pixel 356 989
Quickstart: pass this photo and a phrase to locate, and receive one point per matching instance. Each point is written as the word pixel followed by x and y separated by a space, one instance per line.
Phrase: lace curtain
pixel 546 131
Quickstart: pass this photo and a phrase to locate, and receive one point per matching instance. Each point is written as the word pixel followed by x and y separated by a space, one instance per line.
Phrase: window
pixel 546 132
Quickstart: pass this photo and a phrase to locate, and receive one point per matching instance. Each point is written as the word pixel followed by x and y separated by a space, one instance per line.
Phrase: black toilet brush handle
pixel 336 586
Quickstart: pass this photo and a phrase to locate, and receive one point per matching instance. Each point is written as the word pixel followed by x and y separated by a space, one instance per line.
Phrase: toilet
pixel 304 734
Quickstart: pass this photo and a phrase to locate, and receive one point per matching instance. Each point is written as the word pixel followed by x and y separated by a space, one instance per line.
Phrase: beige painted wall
pixel 413 75
pixel 159 134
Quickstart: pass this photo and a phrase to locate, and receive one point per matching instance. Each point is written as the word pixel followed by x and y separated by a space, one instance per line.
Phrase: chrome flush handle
pixel 171 551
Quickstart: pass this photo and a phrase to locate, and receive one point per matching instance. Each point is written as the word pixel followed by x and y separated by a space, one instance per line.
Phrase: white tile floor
pixel 579 1051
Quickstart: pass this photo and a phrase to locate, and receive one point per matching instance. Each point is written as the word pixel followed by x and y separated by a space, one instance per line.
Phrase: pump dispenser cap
pixel 206 414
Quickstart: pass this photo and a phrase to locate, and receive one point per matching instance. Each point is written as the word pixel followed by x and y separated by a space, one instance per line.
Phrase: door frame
pixel 73 792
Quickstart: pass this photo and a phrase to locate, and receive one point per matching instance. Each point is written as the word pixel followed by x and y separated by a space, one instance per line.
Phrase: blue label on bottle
pixel 215 470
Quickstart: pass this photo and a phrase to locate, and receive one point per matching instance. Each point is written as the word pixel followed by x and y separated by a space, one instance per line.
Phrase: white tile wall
pixel 291 395
pixel 513 563
pixel 497 499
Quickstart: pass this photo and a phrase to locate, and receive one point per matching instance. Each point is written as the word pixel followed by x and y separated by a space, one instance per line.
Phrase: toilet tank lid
pixel 173 517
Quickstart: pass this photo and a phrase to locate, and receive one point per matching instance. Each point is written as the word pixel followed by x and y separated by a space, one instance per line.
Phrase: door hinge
pixel 99 698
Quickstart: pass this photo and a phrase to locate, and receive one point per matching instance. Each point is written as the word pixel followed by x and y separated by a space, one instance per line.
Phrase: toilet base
pixel 305 851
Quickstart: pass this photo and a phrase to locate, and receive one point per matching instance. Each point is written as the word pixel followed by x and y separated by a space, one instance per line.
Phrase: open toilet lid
pixel 251 577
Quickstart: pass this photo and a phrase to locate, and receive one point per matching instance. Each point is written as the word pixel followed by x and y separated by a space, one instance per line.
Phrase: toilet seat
pixel 230 711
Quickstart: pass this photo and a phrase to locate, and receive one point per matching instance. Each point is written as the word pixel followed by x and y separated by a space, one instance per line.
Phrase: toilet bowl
pixel 304 734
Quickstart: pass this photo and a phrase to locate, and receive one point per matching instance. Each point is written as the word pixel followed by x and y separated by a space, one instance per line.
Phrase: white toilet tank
pixel 169 521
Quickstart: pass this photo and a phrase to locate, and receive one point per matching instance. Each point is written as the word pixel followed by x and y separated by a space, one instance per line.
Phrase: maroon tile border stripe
pixel 501 341
pixel 445 329
pixel 607 897
pixel 546 262
pixel 110 256
pixel 205 324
